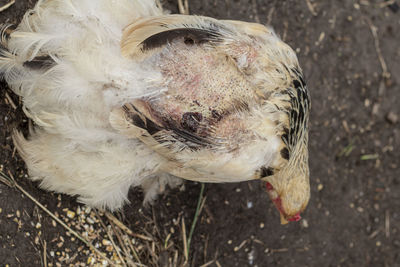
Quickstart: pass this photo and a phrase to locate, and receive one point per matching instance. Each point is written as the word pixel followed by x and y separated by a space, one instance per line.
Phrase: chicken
pixel 124 95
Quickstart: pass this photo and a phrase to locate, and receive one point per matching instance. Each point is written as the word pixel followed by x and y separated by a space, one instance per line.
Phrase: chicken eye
pixel 190 36
pixel 188 41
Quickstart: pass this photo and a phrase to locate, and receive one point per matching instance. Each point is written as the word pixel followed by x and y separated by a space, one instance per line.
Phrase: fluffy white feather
pixel 75 151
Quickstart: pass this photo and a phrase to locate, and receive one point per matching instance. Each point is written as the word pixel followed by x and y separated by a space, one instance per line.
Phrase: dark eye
pixel 190 36
pixel 188 41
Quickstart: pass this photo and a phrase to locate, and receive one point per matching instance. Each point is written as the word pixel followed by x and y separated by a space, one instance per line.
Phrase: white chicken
pixel 123 95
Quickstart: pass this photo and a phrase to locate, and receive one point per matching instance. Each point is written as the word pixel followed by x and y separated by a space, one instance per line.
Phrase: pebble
pixel 392 117
pixel 70 214
pixel 106 242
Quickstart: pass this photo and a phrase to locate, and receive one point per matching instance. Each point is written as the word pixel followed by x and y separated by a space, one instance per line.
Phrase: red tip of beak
pixel 278 203
pixel 269 186
pixel 295 218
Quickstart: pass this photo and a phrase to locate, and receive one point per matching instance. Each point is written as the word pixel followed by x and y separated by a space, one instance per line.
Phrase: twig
pixel 7 5
pixel 280 250
pixel 208 263
pixel 125 228
pixel 184 240
pixel 110 237
pixel 386 3
pixel 374 31
pixel 44 253
pixel 374 233
pixel 255 10
pixel 118 235
pixel 311 8
pixel 270 14
pixel 10 101
pixel 134 252
pixel 10 181
pixel 183 7
pixel 387 224
pixel 200 204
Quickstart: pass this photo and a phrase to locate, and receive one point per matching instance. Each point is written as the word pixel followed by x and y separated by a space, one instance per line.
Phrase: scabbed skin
pixel 126 96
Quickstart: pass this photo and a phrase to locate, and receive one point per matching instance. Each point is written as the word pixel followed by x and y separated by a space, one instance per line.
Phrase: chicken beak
pixel 283 219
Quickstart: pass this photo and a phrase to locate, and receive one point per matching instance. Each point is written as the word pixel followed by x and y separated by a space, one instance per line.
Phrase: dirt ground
pixel 350 54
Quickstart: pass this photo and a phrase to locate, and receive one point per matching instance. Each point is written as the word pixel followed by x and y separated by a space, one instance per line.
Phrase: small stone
pixel 375 109
pixel 229 242
pixel 91 260
pixel 262 225
pixel 360 209
pixel 88 209
pixel 106 242
pixel 320 187
pixel 392 117
pixel 38 225
pixel 378 243
pixel 304 223
pixel 70 214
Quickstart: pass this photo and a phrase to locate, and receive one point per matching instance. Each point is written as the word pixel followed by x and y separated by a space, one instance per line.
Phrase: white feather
pixel 75 150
